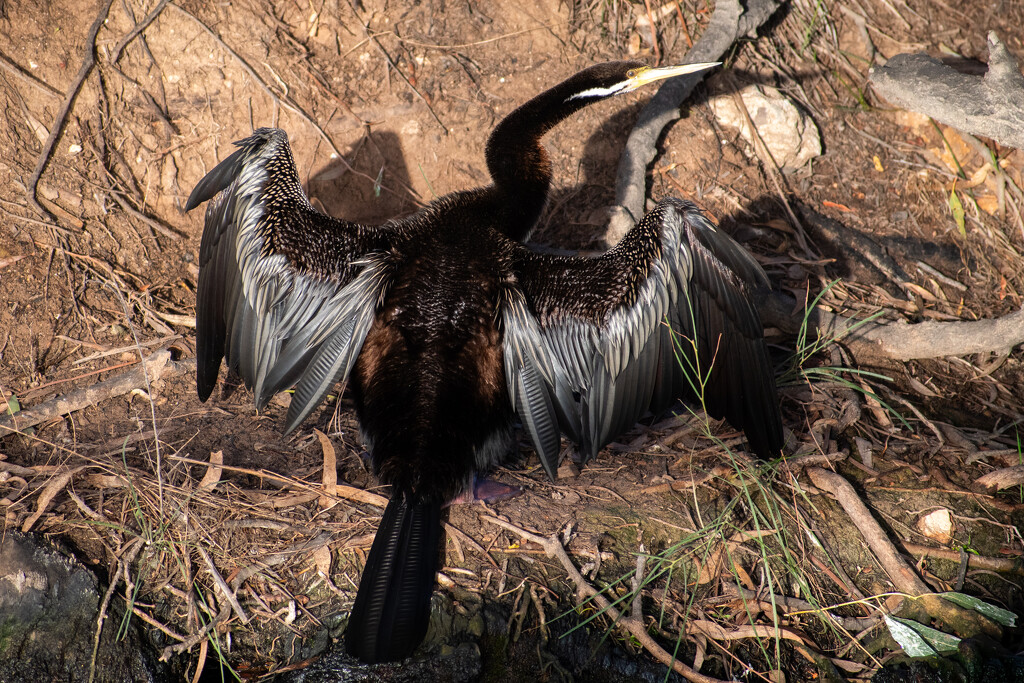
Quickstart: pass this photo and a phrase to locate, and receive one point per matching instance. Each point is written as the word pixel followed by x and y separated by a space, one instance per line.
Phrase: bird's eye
pixel 631 73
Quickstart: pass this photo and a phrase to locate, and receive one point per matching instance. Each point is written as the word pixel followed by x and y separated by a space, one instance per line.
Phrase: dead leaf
pixel 330 469
pixel 37 128
pixel 1002 479
pixel 213 472
pixel 322 559
pixel 55 486
pixel 106 481
pixel 835 205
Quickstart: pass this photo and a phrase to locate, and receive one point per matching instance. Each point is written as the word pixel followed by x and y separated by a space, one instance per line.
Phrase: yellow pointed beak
pixel 647 74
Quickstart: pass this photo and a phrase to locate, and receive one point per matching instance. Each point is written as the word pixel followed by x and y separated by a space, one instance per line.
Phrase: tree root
pixel 69 100
pixel 902 576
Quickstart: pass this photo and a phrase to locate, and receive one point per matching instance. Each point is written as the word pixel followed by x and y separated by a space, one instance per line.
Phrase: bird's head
pixel 614 78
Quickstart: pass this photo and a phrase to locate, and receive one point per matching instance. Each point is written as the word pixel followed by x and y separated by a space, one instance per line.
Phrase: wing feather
pixel 666 314
pixel 282 312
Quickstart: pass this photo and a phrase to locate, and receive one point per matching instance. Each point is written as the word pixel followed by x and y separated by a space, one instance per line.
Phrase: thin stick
pixel 342 491
pixel 16 69
pixel 157 625
pixel 633 624
pixel 187 644
pixel 69 101
pixel 225 590
pixel 460 46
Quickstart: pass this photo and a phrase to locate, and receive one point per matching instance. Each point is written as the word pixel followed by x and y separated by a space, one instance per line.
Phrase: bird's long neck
pixel 517 161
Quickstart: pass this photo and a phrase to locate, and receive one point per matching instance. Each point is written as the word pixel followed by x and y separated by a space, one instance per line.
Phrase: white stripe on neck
pixel 600 92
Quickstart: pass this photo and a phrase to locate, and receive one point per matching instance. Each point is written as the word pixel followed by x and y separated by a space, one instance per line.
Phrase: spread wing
pixel 592 344
pixel 286 293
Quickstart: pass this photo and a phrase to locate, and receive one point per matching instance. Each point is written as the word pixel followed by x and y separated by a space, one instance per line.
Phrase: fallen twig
pixel 902 576
pixel 222 585
pixel 341 491
pixel 633 624
pixel 716 631
pixel 122 570
pixel 156 365
pixel 196 637
pixel 967 622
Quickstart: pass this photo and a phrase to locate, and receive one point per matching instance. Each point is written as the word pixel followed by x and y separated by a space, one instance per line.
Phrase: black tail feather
pixel 392 607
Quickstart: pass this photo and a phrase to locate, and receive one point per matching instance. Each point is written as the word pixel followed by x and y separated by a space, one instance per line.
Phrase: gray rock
pixel 49 604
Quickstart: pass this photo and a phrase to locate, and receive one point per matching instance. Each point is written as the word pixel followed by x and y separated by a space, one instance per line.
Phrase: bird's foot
pixel 488 491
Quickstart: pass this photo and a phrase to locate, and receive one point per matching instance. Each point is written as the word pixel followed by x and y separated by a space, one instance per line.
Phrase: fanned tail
pixel 392 607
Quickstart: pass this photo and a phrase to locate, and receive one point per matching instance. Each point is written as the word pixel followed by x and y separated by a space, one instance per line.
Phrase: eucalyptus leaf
pixel 997 614
pixel 918 640
pixel 908 639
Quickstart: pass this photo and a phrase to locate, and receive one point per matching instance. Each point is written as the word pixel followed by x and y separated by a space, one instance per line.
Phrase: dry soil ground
pixel 388 105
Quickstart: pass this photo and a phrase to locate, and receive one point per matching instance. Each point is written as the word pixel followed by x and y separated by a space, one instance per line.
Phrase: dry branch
pixel 992 105
pixel 902 576
pixel 728 23
pixel 995 564
pixel 1002 479
pixel 157 365
pixel 898 340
